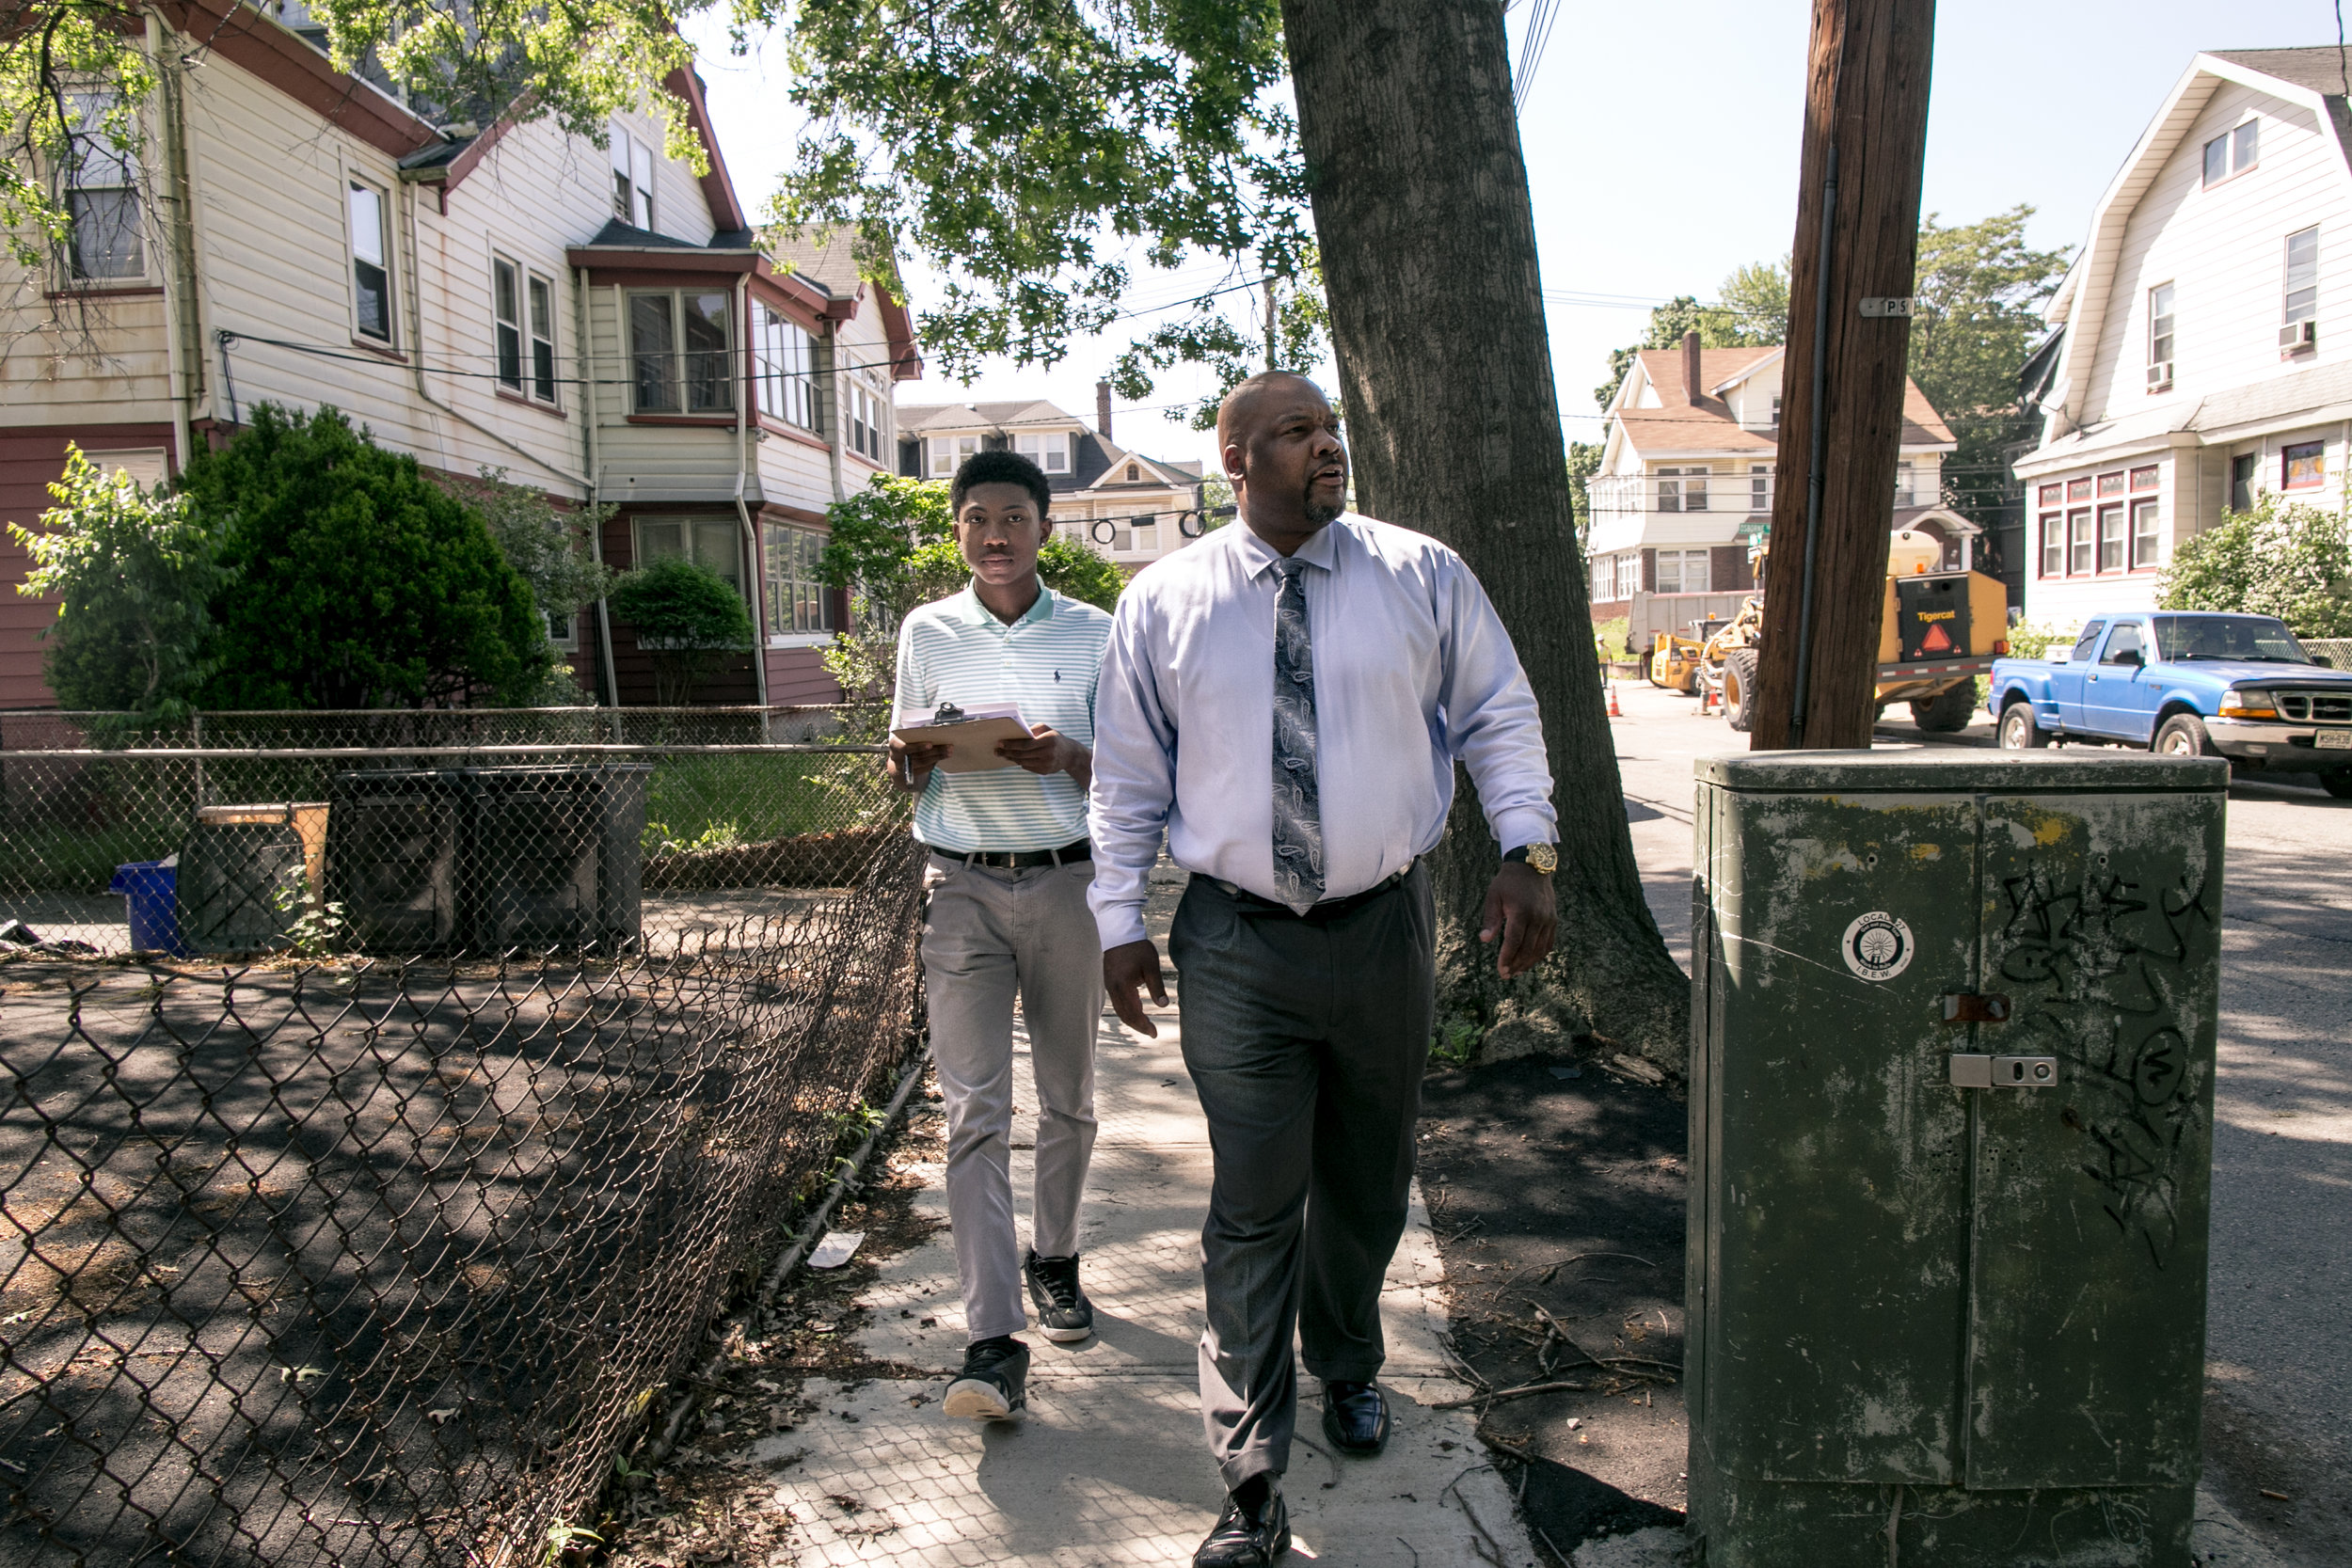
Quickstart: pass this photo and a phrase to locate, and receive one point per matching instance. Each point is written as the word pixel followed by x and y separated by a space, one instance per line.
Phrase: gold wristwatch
pixel 1542 858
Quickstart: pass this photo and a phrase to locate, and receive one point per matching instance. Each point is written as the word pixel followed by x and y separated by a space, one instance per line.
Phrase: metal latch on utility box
pixel 1973 1072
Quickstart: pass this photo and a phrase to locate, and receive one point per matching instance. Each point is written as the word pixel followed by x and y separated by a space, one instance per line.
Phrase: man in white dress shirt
pixel 1286 702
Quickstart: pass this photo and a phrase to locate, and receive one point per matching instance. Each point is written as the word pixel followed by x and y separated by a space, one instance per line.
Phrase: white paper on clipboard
pixel 974 735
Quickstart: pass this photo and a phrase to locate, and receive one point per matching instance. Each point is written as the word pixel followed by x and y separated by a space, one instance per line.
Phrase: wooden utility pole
pixel 1842 381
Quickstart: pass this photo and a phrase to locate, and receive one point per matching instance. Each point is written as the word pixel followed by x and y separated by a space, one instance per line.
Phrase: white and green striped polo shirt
pixel 955 651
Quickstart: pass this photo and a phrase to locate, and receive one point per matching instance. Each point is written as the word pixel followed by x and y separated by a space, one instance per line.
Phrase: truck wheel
pixel 2184 736
pixel 1740 687
pixel 2018 733
pixel 2339 784
pixel 1947 710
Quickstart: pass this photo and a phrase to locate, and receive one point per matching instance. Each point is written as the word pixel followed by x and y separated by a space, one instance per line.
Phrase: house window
pixel 632 179
pixel 2111 485
pixel 1051 452
pixel 1146 534
pixel 2110 538
pixel 101 197
pixel 2303 465
pixel 714 544
pixel 2242 481
pixel 2160 323
pixel 2234 152
pixel 371 265
pixel 1629 574
pixel 1760 487
pixel 1902 485
pixel 1776 413
pixel 2144 479
pixel 2078 490
pixel 1682 571
pixel 2079 542
pixel 2146 545
pixel 1682 489
pixel 506 310
pixel 948 452
pixel 2053 543
pixel 798 601
pixel 542 294
pixel 785 367
pixel 2302 292
pixel 679 352
pixel 865 423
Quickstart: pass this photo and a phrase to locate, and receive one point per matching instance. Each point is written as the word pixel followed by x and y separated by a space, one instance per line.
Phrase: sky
pixel 1661 146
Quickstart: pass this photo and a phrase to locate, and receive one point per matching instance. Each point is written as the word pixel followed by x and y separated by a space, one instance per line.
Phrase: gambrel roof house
pixel 2193 365
pixel 602 323
pixel 1685 482
pixel 1134 509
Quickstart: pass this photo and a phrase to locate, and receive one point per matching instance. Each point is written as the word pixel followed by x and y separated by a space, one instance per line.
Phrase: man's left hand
pixel 1519 909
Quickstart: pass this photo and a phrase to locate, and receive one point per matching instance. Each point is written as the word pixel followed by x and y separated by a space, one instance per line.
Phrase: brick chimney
pixel 1691 388
pixel 1102 410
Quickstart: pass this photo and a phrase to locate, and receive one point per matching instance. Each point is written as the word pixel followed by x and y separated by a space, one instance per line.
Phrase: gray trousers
pixel 987 935
pixel 1306 1039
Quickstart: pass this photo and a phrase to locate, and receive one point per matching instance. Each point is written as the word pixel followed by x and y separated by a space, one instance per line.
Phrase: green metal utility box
pixel 1952 1106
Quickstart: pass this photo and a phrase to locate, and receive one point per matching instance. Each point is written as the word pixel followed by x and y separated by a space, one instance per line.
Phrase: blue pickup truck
pixel 2235 686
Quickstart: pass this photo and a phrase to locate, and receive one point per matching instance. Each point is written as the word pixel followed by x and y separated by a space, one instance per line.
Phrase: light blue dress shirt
pixel 1413 671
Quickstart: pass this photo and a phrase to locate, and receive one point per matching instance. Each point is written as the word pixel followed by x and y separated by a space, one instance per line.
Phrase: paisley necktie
pixel 1297 812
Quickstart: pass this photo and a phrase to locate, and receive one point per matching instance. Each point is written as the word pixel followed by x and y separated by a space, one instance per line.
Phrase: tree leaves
pixel 1024 146
pixel 134 571
pixel 2279 558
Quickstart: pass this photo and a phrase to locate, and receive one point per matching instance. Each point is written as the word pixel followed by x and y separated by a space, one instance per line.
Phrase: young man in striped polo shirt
pixel 1008 875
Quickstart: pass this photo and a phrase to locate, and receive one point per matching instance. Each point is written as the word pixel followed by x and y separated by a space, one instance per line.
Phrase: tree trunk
pixel 1428 248
pixel 1867 98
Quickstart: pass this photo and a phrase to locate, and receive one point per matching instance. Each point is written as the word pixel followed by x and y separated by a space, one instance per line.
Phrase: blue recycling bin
pixel 151 890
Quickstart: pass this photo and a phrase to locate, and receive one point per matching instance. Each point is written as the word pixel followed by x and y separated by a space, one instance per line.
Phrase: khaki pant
pixel 989 935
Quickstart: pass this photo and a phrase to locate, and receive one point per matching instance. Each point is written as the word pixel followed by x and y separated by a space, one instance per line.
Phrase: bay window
pixel 785 367
pixel 680 348
pixel 799 603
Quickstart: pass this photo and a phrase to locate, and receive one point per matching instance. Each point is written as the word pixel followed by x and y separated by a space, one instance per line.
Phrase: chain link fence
pixel 381 1153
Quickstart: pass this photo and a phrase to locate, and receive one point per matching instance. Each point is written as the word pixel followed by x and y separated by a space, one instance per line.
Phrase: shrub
pixel 2028 640
pixel 2279 558
pixel 355 580
pixel 132 571
pixel 687 617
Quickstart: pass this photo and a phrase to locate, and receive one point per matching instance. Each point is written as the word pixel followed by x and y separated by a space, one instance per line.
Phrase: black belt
pixel 1328 908
pixel 1020 859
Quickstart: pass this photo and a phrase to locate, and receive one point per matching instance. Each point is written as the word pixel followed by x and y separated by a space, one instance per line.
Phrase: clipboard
pixel 972 733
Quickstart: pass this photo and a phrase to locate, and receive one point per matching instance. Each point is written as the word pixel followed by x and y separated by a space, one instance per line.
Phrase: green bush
pixel 352 579
pixel 687 617
pixel 2278 558
pixel 2028 640
pixel 1608 636
pixel 133 572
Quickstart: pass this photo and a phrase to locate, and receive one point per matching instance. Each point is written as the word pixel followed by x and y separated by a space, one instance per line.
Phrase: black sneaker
pixel 1254 1532
pixel 994 1383
pixel 1063 1313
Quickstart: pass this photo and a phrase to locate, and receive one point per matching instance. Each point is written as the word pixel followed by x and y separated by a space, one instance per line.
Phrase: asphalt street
pixel 2278 1432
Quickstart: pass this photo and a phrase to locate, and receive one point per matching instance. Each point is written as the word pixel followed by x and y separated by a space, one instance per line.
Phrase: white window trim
pixel 354 179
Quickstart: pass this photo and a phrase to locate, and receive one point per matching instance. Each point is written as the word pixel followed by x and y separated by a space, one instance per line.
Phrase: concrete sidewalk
pixel 1108 1464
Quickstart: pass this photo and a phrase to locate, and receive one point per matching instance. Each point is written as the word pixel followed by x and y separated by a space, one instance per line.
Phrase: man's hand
pixel 911 765
pixel 1130 967
pixel 1048 752
pixel 1519 908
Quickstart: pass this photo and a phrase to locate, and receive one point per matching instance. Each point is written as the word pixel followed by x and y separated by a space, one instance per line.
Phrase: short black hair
pixel 1000 467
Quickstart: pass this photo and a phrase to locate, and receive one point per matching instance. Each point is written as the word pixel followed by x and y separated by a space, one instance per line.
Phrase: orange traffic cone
pixel 1614 711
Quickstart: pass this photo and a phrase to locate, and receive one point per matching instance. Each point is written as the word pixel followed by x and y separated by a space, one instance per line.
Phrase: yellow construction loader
pixel 1938 631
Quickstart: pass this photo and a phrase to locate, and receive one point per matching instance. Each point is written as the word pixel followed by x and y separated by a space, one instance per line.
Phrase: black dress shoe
pixel 1252 1532
pixel 1354 1417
